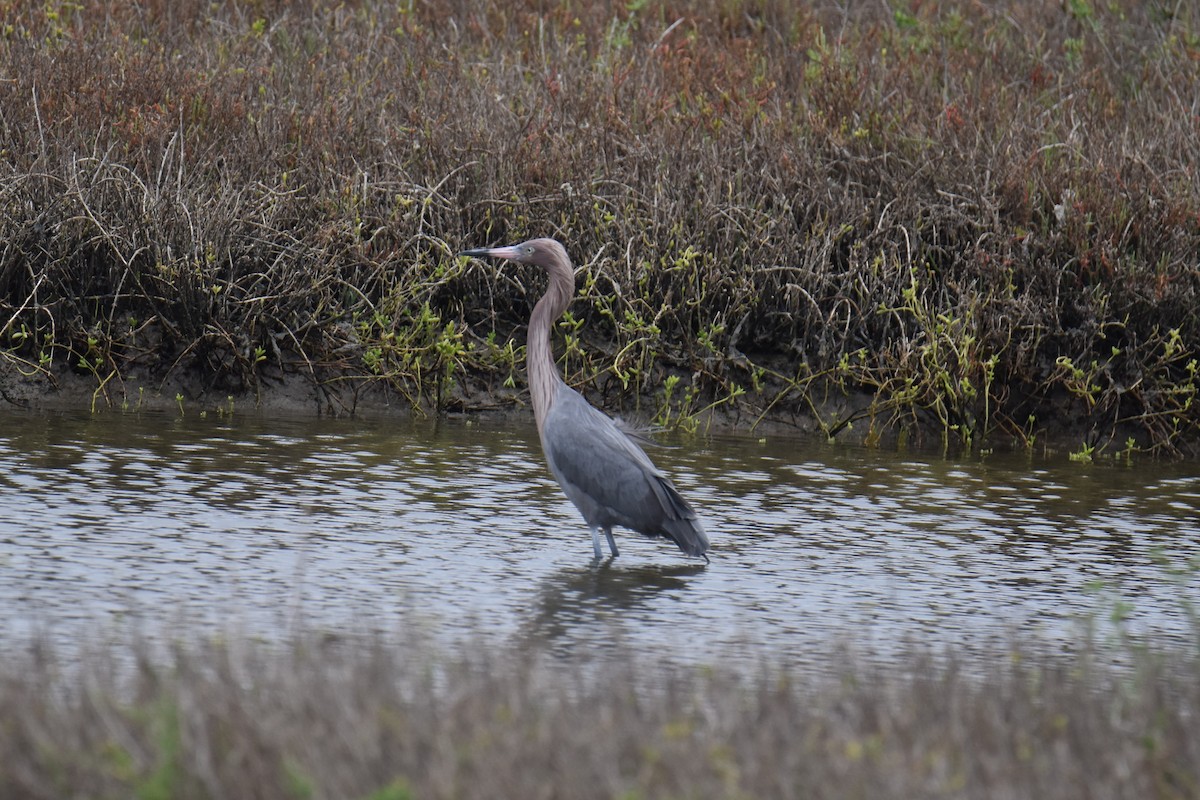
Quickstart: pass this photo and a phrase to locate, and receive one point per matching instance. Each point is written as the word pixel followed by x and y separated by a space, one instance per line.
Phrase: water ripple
pixel 457 527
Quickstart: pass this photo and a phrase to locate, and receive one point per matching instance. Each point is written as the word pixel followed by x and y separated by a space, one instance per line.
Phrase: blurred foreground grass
pixel 347 718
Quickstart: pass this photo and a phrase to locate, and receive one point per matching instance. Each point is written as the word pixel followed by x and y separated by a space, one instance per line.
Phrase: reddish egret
pixel 603 472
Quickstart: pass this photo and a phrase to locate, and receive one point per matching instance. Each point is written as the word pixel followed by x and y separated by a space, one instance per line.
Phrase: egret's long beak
pixel 494 252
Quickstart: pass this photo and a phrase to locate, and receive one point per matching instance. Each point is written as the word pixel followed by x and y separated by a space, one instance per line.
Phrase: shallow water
pixel 455 529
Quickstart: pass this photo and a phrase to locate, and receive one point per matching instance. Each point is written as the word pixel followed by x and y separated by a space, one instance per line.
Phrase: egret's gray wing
pixel 610 479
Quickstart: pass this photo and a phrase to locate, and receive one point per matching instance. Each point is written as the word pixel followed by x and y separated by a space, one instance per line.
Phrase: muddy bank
pixel 840 417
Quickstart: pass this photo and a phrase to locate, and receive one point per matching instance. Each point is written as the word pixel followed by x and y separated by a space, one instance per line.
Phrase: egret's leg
pixel 596 541
pixel 612 544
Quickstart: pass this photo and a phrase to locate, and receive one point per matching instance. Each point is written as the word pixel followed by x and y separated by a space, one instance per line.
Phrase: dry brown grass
pixel 346 718
pixel 984 217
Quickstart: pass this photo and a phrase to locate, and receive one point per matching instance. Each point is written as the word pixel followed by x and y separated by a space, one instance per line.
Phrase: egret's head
pixel 543 252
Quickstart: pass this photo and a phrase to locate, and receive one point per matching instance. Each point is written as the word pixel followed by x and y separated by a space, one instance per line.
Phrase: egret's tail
pixel 688 535
pixel 680 523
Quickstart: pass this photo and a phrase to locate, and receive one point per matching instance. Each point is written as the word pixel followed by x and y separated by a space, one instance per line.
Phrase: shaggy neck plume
pixel 544 379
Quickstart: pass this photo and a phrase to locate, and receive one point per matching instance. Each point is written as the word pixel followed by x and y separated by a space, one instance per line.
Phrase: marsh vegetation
pixel 979 224
pixel 328 717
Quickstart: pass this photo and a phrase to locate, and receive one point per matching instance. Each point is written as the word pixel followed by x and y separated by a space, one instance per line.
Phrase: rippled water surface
pixel 455 528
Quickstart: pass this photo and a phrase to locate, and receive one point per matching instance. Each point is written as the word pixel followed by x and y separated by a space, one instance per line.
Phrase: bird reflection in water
pixel 585 603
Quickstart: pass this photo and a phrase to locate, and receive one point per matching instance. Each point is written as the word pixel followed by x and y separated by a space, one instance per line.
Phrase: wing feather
pixel 610 479
pixel 590 455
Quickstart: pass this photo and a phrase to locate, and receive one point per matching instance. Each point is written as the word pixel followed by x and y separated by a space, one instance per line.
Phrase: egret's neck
pixel 544 380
